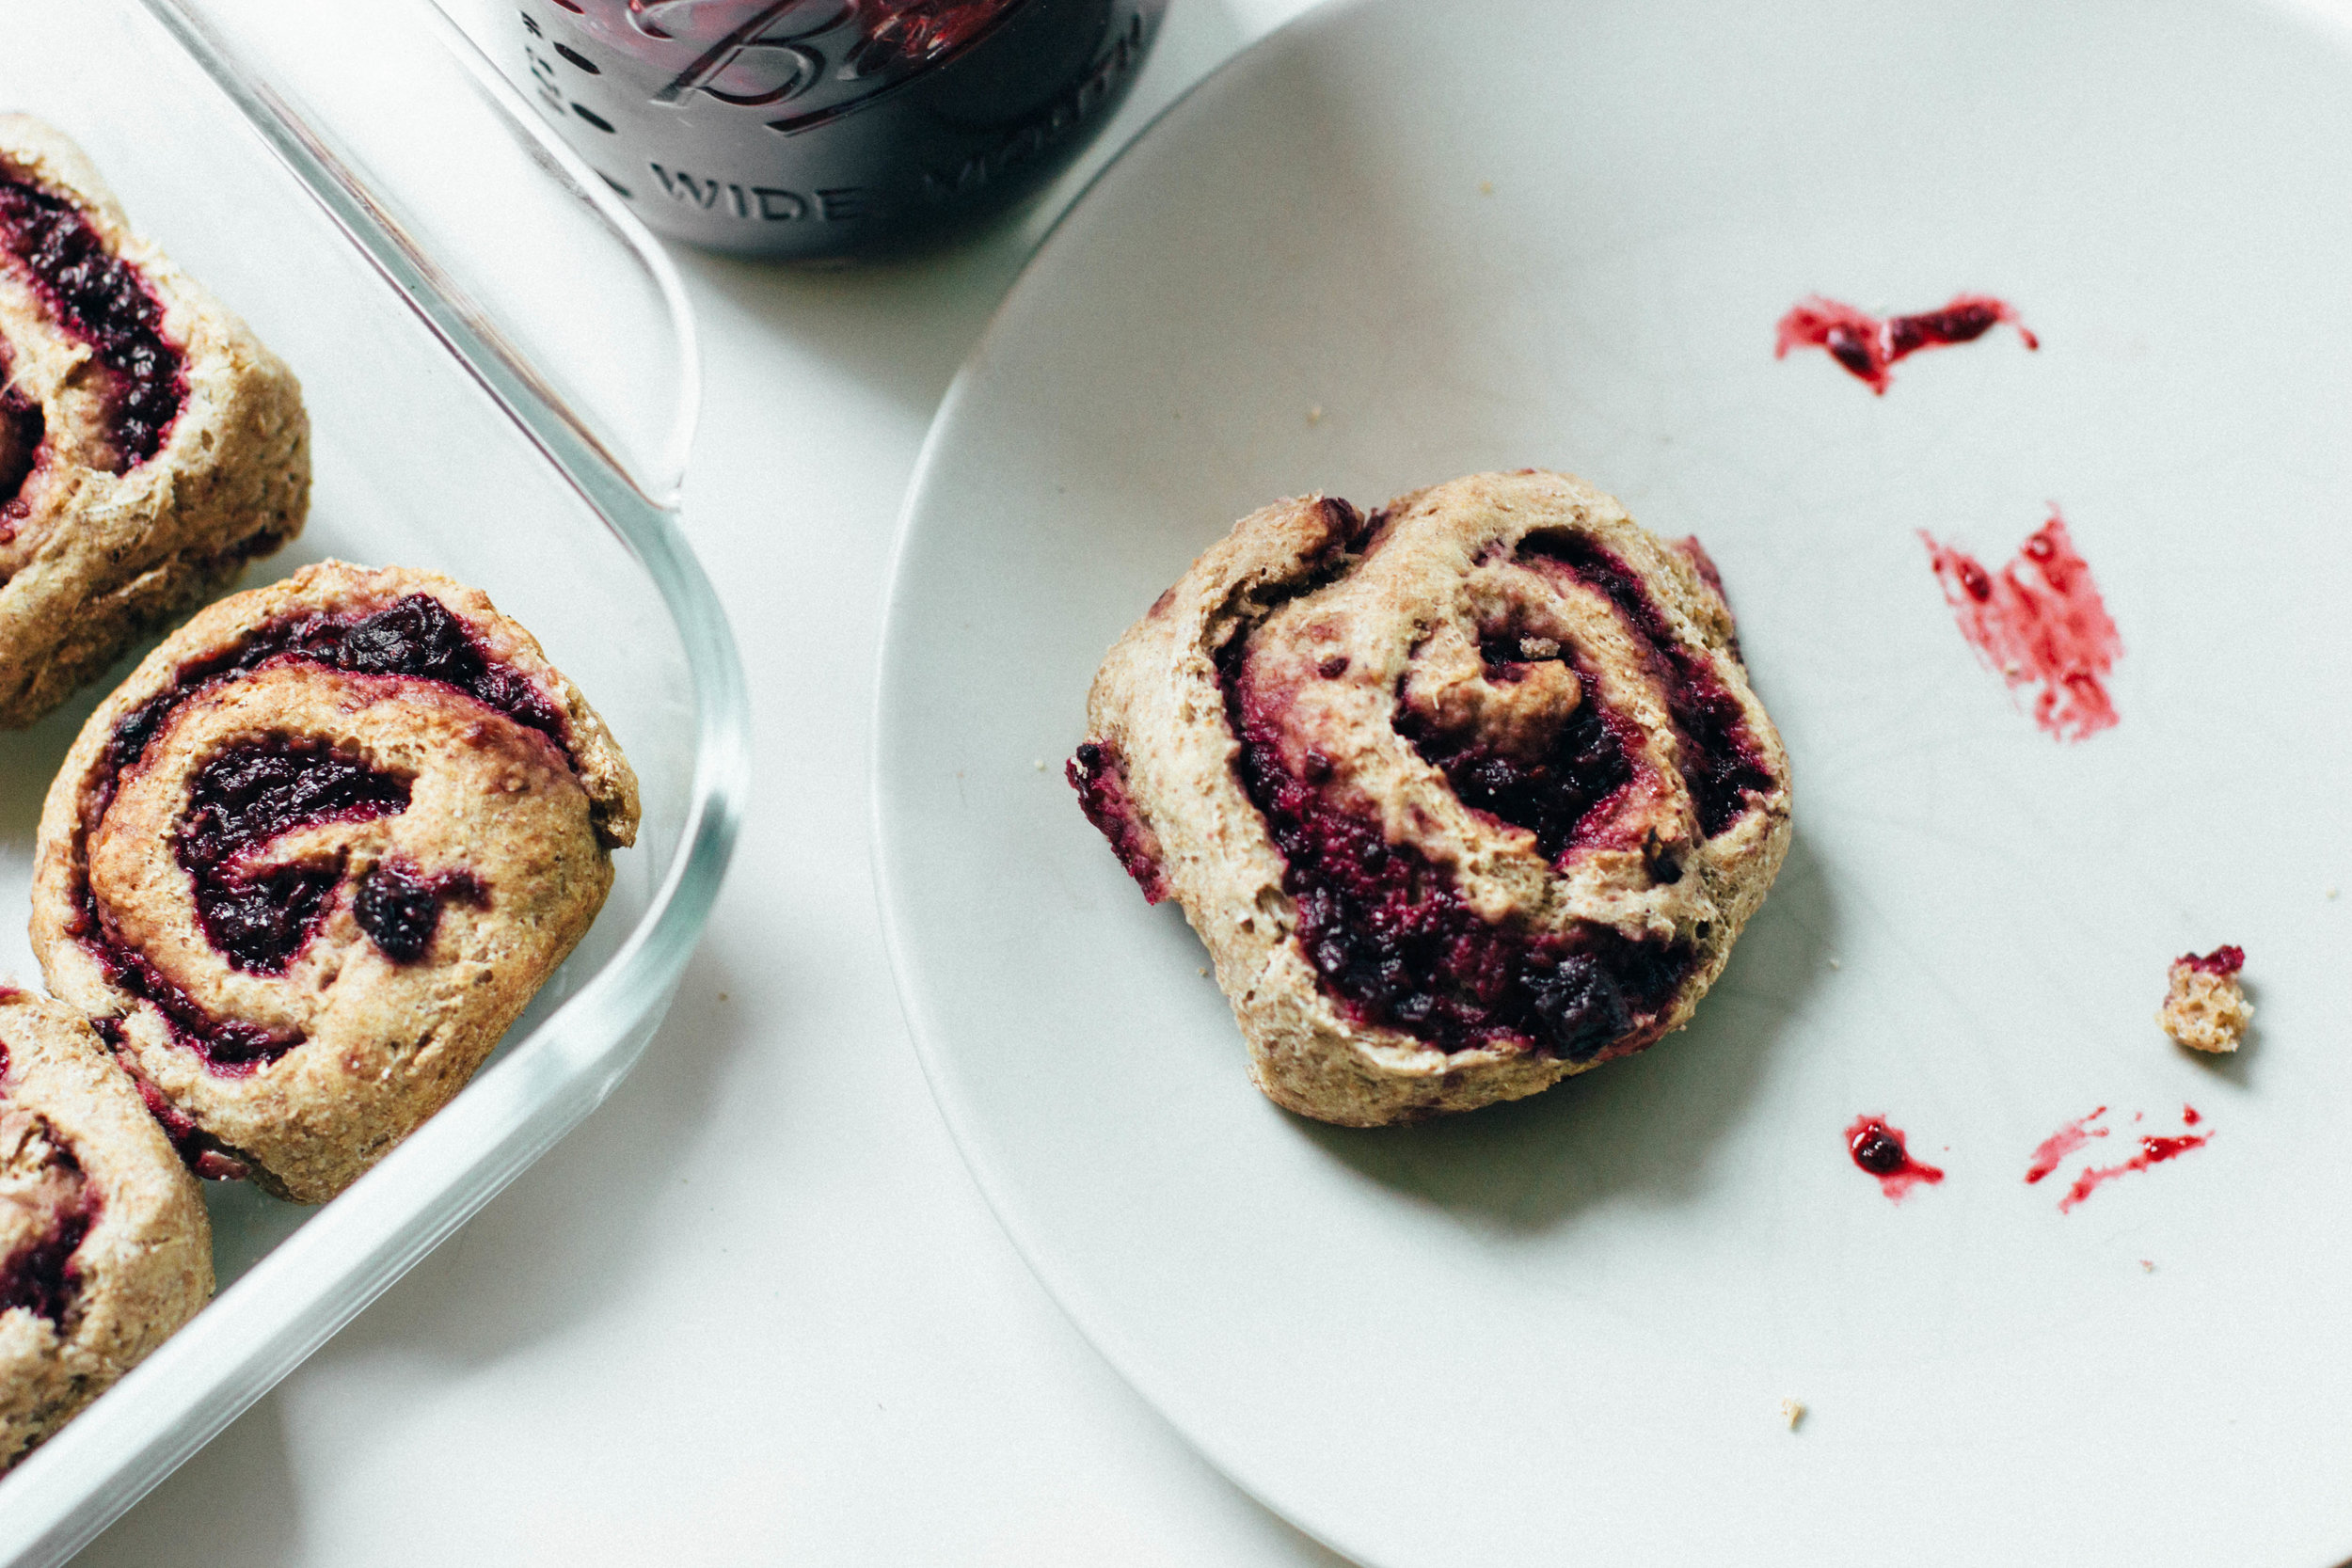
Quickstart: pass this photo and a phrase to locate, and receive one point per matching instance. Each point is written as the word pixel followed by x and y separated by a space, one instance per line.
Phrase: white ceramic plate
pixel 1502 232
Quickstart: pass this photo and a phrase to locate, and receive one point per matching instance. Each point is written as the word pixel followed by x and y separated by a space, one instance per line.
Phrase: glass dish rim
pixel 544 1083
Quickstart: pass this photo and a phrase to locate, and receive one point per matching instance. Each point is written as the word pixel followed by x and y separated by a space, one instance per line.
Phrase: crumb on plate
pixel 1792 1412
pixel 2206 1009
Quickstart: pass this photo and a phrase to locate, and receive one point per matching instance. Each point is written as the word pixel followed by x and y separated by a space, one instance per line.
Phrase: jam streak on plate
pixel 1880 1150
pixel 1866 345
pixel 100 299
pixel 2039 622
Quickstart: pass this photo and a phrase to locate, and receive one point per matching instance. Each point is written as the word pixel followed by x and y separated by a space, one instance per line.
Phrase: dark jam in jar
pixel 829 128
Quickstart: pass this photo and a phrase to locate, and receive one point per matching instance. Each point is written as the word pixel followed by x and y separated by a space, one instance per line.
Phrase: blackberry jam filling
pixel 1558 795
pixel 1718 759
pixel 45 1212
pixel 1394 942
pixel 100 299
pixel 2221 962
pixel 1095 774
pixel 415 637
pixel 400 909
pixel 250 794
pixel 22 430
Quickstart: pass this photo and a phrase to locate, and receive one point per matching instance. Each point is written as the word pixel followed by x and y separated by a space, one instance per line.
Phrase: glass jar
pixel 829 128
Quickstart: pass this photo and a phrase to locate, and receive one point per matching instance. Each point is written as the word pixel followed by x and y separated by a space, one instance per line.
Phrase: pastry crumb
pixel 1315 414
pixel 2147 1265
pixel 1835 964
pixel 1792 1412
pixel 1202 971
pixel 1485 187
pixel 1038 763
pixel 2335 892
pixel 2206 1009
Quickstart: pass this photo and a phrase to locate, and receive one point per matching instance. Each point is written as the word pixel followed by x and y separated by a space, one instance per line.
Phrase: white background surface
pixel 754 1309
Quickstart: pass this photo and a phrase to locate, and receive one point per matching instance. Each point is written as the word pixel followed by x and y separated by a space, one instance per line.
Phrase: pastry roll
pixel 1464 797
pixel 150 446
pixel 305 866
pixel 104 1248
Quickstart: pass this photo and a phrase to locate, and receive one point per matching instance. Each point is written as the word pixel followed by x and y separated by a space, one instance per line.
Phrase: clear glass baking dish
pixel 501 378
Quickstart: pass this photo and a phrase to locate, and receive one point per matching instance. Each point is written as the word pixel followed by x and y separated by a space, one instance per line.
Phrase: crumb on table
pixel 1792 1411
pixel 2206 1009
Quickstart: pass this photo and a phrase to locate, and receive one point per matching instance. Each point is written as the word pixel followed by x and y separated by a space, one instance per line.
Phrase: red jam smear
pixel 415 638
pixel 2153 1151
pixel 2221 962
pixel 2059 1144
pixel 1868 345
pixel 1719 763
pixel 102 299
pixel 1396 944
pixel 1096 774
pixel 249 794
pixel 1881 1151
pixel 2040 623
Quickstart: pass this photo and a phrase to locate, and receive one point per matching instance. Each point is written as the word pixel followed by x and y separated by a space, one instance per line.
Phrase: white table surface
pixel 754 1309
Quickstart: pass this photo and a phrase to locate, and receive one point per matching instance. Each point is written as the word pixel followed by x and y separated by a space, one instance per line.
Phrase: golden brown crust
pixel 73 1132
pixel 1349 630
pixel 2205 1007
pixel 100 558
pixel 492 804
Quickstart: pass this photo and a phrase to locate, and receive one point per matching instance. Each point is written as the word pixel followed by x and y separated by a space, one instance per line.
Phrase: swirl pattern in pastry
pixel 1464 797
pixel 104 1247
pixel 150 446
pixel 306 866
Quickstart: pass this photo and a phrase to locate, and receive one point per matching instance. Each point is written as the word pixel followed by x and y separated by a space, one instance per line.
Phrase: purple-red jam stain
pixel 100 299
pixel 416 638
pixel 1563 796
pixel 1718 758
pixel 259 916
pixel 1095 773
pixel 1398 947
pixel 400 908
pixel 2059 1144
pixel 2221 962
pixel 198 1150
pixel 2152 1151
pixel 1881 1151
pixel 2040 622
pixel 1866 345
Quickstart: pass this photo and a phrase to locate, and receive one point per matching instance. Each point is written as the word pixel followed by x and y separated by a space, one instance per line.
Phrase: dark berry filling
pixel 400 909
pixel 416 638
pixel 22 430
pixel 1095 774
pixel 2221 961
pixel 55 1197
pixel 202 1153
pixel 250 794
pixel 102 299
pixel 1395 942
pixel 1719 761
pixel 1560 795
